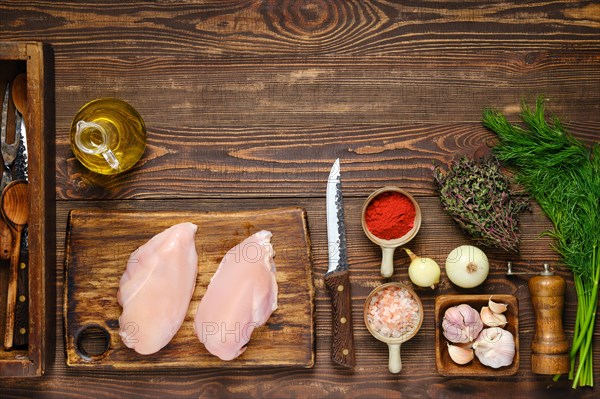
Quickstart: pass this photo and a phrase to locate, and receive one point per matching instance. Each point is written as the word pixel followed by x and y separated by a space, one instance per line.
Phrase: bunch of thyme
pixel 476 194
pixel 563 176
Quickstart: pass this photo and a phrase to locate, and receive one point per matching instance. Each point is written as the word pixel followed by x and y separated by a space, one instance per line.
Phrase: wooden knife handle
pixel 342 348
pixel 6 239
pixel 21 333
pixel 11 296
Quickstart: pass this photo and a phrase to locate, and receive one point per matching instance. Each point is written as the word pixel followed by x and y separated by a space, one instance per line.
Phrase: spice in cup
pixel 391 217
pixel 393 314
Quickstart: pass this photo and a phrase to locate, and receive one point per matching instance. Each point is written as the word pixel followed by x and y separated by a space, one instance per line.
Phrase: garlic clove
pixel 460 355
pixel 497 307
pixel 492 319
pixel 461 324
pixel 495 347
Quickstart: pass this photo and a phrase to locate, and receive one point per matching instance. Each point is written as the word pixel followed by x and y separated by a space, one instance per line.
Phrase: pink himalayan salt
pixel 393 312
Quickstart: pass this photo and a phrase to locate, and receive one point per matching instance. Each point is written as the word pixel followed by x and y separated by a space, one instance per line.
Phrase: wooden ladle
pixel 14 205
pixel 19 93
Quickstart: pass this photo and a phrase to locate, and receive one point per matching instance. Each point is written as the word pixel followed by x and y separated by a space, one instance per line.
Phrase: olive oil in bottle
pixel 108 136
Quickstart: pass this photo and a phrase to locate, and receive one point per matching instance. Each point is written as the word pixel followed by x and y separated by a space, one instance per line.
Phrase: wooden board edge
pixel 311 288
pixel 40 82
pixel 65 293
pixel 11 51
pixel 78 213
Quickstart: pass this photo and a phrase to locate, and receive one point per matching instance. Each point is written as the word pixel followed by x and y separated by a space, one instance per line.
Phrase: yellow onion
pixel 424 272
pixel 467 266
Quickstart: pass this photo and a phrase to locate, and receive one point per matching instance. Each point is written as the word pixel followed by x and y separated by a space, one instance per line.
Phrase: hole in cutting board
pixel 92 342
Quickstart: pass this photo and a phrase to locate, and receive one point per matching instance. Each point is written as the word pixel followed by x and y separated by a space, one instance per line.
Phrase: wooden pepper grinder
pixel 550 347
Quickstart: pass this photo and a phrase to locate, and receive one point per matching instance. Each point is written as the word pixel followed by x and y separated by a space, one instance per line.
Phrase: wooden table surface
pixel 248 103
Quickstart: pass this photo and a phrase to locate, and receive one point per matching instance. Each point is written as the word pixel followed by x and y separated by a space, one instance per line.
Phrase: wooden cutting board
pixel 99 244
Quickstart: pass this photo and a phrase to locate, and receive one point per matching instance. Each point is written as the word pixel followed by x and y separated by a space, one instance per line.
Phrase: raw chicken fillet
pixel 241 296
pixel 156 289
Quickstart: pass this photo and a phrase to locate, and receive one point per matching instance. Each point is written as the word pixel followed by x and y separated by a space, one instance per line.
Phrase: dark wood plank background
pixel 247 104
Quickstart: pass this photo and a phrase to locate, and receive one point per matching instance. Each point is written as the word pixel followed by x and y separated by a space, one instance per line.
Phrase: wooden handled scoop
pixel 19 93
pixel 15 209
pixel 394 360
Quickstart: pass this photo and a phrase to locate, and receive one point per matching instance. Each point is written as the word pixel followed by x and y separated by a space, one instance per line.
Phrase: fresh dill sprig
pixel 563 176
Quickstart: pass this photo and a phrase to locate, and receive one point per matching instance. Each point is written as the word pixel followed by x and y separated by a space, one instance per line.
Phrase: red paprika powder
pixel 390 215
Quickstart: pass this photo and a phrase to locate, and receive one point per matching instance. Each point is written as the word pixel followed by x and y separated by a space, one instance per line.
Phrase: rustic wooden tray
pixel 445 365
pixel 35 60
pixel 99 244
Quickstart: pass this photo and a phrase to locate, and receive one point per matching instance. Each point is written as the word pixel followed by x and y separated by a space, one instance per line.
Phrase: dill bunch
pixel 563 176
pixel 476 194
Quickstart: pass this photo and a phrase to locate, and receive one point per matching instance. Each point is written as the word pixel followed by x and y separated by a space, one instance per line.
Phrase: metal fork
pixel 9 151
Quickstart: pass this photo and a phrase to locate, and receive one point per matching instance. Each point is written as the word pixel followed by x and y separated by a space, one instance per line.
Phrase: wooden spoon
pixel 15 209
pixel 19 93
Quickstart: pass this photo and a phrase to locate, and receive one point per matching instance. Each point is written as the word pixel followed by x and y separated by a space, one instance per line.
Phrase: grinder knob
pixel 550 346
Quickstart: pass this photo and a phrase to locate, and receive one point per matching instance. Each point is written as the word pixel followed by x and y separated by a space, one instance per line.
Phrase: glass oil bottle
pixel 108 136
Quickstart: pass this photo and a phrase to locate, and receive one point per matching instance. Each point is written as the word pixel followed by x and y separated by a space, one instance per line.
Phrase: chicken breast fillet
pixel 241 296
pixel 156 289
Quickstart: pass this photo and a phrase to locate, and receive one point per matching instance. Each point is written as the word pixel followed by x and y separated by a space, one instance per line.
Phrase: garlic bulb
pixel 495 347
pixel 424 272
pixel 497 307
pixel 492 319
pixel 461 324
pixel 460 355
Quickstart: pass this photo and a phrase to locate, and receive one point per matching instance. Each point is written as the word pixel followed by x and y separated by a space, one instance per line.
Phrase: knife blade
pixel 337 278
pixel 6 237
pixel 20 166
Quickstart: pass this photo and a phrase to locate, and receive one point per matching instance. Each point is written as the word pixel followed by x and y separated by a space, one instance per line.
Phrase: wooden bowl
pixel 394 361
pixel 389 246
pixel 444 364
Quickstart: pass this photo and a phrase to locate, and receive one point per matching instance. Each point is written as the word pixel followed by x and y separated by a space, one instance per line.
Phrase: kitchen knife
pixel 337 278
pixel 21 330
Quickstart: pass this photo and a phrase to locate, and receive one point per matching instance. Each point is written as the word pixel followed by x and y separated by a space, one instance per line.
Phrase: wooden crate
pixel 36 60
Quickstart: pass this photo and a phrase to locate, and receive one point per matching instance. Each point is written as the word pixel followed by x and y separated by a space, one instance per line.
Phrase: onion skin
pixel 423 272
pixel 467 266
